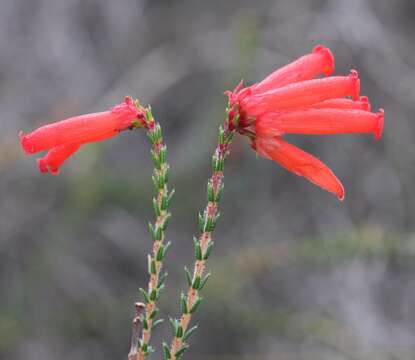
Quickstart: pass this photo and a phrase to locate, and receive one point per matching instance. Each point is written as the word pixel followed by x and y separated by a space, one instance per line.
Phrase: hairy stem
pixel 161 202
pixel 203 247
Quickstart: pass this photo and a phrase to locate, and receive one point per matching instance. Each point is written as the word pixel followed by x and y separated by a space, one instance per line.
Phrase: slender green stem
pixel 161 202
pixel 203 247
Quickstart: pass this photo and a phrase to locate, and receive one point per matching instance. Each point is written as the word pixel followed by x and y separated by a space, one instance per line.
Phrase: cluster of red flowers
pixel 63 138
pixel 291 101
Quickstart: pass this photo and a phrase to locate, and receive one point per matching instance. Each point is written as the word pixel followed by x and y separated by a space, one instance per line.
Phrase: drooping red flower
pixel 291 101
pixel 63 138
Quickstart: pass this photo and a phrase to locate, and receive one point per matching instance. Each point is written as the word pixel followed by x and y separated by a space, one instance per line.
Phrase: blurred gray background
pixel 296 273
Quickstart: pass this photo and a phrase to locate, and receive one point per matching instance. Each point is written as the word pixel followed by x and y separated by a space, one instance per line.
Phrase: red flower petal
pixel 302 94
pixel 55 157
pixel 343 103
pixel 320 122
pixel 320 61
pixel 300 163
pixel 80 129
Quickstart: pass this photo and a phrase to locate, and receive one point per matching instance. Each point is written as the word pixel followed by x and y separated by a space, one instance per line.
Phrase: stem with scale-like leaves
pixel 140 347
pixel 202 246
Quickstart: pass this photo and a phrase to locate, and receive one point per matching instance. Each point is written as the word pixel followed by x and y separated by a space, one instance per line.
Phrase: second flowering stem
pixel 202 249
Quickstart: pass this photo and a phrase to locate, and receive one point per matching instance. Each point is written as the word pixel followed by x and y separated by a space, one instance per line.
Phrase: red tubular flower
pixel 320 122
pixel 63 138
pixel 80 129
pixel 302 94
pixel 319 62
pixel 290 101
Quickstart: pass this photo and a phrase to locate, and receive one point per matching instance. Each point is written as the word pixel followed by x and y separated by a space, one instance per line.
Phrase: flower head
pixel 291 101
pixel 63 138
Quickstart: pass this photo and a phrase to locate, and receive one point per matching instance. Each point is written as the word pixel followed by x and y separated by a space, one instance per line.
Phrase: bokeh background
pixel 296 273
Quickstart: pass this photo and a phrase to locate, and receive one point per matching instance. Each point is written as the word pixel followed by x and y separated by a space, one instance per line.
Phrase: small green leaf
pixel 161 181
pixel 196 305
pixel 145 295
pixel 174 323
pixel 196 283
pixel 204 281
pixel 166 351
pixel 230 135
pixel 162 279
pixel 210 192
pixel 219 193
pixel 208 250
pixel 153 268
pixel 158 233
pixel 166 248
pixel 166 221
pixel 144 347
pixel 152 232
pixel 166 174
pixel 163 154
pixel 157 322
pixel 215 162
pixel 188 276
pixel 149 260
pixel 156 208
pixel 217 217
pixel 210 225
pixel 181 351
pixel 235 120
pixel 179 331
pixel 154 313
pixel 160 253
pixel 189 332
pixel 153 295
pixel 164 203
pixel 221 137
pixel 155 181
pixel 159 290
pixel 170 197
pixel 201 222
pixel 221 164
pixel 183 303
pixel 149 114
pixel 198 249
pixel 156 160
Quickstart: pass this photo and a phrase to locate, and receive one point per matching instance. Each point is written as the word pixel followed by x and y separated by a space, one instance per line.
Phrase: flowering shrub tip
pixel 293 100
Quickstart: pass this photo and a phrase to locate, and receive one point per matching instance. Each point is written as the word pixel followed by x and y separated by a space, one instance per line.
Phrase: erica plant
pixel 289 101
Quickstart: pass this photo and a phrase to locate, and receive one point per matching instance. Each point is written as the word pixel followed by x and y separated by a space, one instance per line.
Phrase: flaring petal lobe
pixel 300 163
pixel 55 158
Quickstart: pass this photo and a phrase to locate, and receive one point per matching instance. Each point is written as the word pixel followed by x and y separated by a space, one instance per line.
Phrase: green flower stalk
pixel 146 313
pixel 203 245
